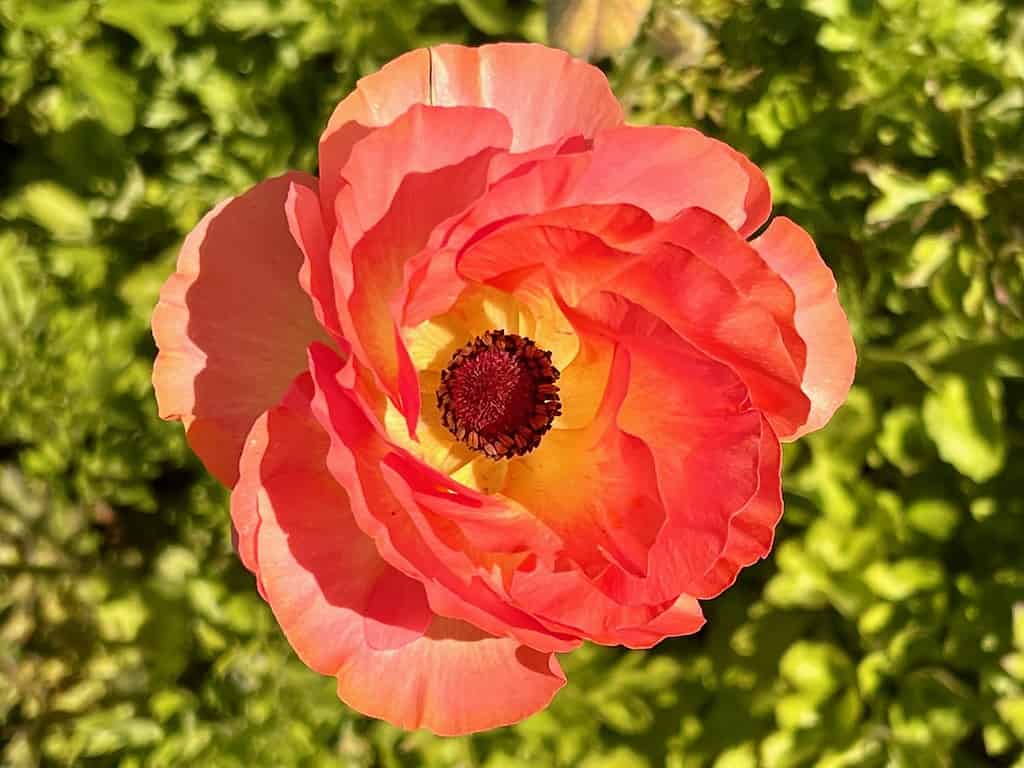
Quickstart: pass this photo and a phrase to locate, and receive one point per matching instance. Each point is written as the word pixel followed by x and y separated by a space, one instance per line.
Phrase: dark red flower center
pixel 498 394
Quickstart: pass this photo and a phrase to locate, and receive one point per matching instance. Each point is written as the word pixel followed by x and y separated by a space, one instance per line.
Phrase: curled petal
pixel 233 322
pixel 348 613
pixel 831 356
pixel 594 486
pixel 664 170
pixel 695 418
pixel 377 100
pixel 545 94
pixel 401 182
pixel 383 483
pixel 752 528
pixel 719 319
pixel 567 601
pixel 305 222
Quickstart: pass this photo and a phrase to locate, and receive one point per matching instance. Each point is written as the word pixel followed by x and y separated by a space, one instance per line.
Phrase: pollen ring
pixel 498 394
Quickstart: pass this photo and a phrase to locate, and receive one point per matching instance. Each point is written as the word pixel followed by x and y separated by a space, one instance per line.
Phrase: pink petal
pixel 455 680
pixel 302 208
pixel 545 93
pixel 232 323
pixel 348 613
pixel 831 357
pixel 381 480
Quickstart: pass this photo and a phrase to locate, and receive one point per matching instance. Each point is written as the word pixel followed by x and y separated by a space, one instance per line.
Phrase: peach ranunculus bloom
pixel 508 376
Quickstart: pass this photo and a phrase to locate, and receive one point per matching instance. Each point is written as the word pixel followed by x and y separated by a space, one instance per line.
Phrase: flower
pixel 508 376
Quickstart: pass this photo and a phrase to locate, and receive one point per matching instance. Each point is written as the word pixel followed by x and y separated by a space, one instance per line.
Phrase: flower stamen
pixel 498 394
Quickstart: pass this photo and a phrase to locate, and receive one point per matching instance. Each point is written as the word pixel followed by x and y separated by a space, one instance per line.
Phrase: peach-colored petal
pixel 831 357
pixel 545 94
pixel 664 169
pixel 378 99
pixel 455 680
pixel 752 529
pixel 381 480
pixel 232 323
pixel 348 613
pixel 401 182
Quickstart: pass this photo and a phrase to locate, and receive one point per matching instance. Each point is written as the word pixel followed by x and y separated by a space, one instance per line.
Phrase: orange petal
pixel 694 416
pixel 694 272
pixel 594 486
pixel 545 94
pixel 348 613
pixel 569 602
pixel 679 281
pixel 233 323
pixel 831 357
pixel 752 529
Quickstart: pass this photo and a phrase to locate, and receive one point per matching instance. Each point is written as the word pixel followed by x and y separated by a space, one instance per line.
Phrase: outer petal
pixel 752 529
pixel 569 602
pixel 348 613
pixel 665 169
pixel 232 323
pixel 377 100
pixel 831 356
pixel 545 94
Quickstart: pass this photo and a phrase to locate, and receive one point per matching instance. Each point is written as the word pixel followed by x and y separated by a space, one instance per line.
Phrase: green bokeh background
pixel 887 626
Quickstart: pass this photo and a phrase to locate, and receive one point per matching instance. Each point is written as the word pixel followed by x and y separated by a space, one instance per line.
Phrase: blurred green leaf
pixel 964 416
pixel 58 210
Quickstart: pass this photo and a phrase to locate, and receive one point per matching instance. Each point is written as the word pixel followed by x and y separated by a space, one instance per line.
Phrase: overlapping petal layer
pixel 349 613
pixel 544 93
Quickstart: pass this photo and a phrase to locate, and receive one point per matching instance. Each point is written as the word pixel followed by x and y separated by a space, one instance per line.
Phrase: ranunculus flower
pixel 508 376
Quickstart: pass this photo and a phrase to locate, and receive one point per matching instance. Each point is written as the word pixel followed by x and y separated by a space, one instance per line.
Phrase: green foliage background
pixel 887 627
